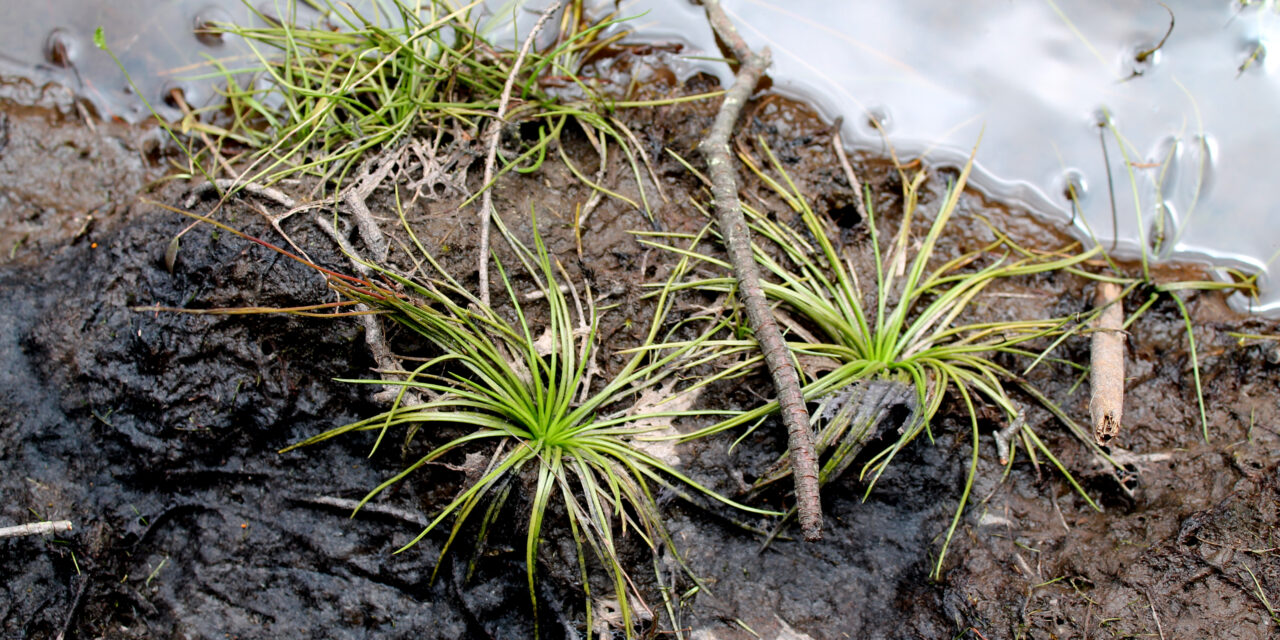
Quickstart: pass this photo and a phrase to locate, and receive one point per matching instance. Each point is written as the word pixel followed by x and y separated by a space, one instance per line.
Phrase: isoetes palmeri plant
pixel 527 400
pixel 908 329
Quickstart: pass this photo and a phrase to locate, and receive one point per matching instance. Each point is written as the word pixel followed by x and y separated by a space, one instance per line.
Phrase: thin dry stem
pixel 1106 376
pixel 733 227
pixel 596 195
pixel 372 174
pixel 493 134
pixel 854 182
pixel 411 517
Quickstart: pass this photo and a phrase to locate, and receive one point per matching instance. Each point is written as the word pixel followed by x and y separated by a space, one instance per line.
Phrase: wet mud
pixel 156 434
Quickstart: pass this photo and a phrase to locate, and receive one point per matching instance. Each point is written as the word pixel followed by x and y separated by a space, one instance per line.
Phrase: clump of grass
pixel 908 328
pixel 317 100
pixel 528 401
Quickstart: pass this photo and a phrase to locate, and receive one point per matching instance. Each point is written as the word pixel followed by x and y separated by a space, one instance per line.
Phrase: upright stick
pixel 737 238
pixel 1106 400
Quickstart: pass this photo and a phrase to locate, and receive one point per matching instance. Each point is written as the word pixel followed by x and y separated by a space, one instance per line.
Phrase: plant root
pixel 737 237
pixel 438 177
pixel 492 135
pixel 1106 376
pixel 1004 437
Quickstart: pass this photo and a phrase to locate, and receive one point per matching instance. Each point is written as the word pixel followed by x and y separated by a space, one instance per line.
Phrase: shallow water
pixel 157 42
pixel 1188 128
pixel 162 46
pixel 1185 148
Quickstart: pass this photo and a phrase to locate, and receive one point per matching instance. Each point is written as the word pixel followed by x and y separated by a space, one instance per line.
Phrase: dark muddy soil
pixel 156 434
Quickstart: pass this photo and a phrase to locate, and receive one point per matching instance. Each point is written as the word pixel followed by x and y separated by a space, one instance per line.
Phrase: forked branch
pixel 737 237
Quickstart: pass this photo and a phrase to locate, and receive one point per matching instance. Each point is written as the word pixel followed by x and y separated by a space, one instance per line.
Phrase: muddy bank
pixel 156 434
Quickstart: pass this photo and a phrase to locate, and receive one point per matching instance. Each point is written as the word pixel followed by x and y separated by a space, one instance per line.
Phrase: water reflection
pixel 1049 86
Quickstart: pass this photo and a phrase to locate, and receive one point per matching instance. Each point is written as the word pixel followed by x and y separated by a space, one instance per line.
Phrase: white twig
pixel 36 529
pixel 371 507
pixel 227 184
pixel 1106 377
pixel 493 132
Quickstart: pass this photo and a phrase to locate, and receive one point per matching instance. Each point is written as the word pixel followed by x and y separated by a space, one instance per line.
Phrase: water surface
pixel 1066 98
pixel 1167 144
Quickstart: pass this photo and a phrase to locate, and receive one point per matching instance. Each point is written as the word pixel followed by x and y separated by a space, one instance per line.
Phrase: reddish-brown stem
pixel 373 290
pixel 737 238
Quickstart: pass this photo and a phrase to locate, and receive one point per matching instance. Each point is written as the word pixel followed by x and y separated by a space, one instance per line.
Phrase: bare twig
pixel 227 184
pixel 1151 604
pixel 374 171
pixel 493 134
pixel 1106 376
pixel 733 227
pixel 35 529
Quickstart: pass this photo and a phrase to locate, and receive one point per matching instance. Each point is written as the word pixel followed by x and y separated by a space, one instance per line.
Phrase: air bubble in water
pixel 879 118
pixel 205 25
pixel 1073 187
pixel 61 48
